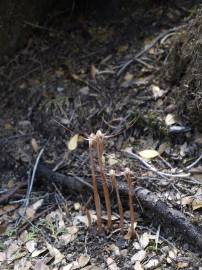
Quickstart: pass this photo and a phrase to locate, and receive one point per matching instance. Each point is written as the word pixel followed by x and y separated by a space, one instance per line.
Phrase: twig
pixel 147 48
pixel 153 169
pixel 99 139
pixel 194 163
pixel 30 185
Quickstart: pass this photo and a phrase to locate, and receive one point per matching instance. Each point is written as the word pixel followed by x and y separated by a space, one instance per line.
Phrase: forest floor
pixel 69 81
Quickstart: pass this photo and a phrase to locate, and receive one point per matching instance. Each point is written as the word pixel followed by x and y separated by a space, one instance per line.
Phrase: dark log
pixel 150 201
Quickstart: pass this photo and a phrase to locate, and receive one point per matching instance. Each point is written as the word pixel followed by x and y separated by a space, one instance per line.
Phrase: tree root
pixel 168 216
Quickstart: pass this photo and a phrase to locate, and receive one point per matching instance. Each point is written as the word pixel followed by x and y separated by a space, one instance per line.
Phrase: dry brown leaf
pixel 73 142
pixel 93 72
pixel 197 200
pixel 2 256
pixel 197 203
pixel 144 240
pixel 112 160
pixel 41 265
pixel 171 255
pixel 129 235
pixel 128 76
pixel 115 249
pixel 54 252
pixel 157 92
pixel 170 119
pixel 22 264
pixel 92 267
pixel 31 210
pixel 151 264
pixel 67 238
pixel 56 217
pixel 138 266
pixel 69 266
pixel 148 154
pixel 38 252
pixel 11 251
pixel 83 260
pixel 186 200
pixel 111 264
pixel 182 265
pixel 34 145
pixel 31 246
pixel 77 206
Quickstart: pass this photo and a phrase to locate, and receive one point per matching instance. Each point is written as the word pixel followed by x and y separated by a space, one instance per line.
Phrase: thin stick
pixel 115 186
pixel 100 148
pixel 153 169
pixel 194 163
pixel 127 175
pixel 30 185
pixel 95 187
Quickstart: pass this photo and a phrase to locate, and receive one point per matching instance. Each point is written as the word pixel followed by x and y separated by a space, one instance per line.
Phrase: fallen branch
pixel 149 201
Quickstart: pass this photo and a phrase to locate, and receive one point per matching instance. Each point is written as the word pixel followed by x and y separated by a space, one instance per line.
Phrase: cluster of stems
pixel 96 142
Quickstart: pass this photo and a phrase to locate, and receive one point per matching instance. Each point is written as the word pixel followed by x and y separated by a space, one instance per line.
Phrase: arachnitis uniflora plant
pixel 92 141
pixel 116 188
pixel 100 149
pixel 127 175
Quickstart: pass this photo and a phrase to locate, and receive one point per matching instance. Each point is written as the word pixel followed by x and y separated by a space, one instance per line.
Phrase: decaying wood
pixel 150 201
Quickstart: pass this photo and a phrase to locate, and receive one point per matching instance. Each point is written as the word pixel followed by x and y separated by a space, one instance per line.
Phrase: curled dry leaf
pixel 73 142
pixel 148 154
pixel 38 252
